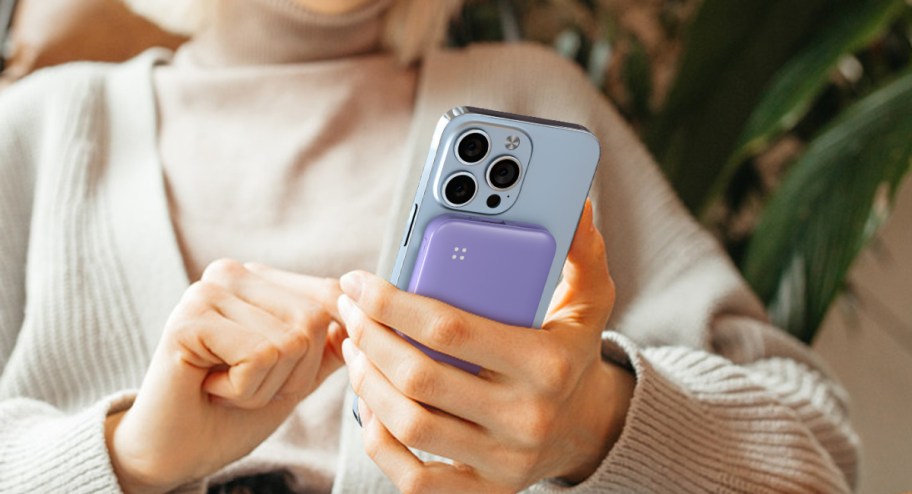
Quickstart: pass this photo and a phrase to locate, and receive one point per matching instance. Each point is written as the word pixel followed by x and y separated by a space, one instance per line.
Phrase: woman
pixel 282 131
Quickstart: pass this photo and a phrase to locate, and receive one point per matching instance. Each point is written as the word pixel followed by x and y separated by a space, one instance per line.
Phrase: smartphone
pixel 496 209
pixel 495 212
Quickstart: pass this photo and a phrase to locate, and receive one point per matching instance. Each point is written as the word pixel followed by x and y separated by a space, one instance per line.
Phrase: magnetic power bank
pixel 494 270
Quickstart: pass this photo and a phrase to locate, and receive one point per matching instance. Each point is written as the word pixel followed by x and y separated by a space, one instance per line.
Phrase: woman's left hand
pixel 544 406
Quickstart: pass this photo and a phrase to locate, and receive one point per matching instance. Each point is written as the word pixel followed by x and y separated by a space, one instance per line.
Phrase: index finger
pixel 495 346
pixel 323 291
pixel 293 308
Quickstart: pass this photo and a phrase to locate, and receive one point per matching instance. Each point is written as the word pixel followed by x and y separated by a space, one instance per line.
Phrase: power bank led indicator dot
pixel 459 251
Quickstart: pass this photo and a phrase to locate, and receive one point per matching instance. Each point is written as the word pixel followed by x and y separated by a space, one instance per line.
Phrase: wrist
pixel 607 403
pixel 129 482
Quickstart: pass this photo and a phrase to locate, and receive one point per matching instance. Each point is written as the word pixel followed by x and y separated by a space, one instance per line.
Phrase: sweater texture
pixel 91 266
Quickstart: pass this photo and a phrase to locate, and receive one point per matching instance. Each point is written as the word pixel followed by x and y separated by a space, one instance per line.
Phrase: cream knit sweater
pixel 90 269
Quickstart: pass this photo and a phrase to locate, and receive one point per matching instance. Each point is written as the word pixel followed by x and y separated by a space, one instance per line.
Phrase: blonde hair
pixel 413 27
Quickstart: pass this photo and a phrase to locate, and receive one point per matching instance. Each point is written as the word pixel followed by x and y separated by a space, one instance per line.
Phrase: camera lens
pixel 503 173
pixel 459 189
pixel 472 147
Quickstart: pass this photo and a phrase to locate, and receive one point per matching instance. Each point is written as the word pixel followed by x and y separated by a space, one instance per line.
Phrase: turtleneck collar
pixel 257 32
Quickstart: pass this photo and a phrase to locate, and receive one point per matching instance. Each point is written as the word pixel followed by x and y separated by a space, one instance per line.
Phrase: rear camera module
pixel 459 189
pixel 472 147
pixel 503 173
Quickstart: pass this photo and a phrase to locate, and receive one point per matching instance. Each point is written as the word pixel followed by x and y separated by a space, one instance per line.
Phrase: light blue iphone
pixel 500 169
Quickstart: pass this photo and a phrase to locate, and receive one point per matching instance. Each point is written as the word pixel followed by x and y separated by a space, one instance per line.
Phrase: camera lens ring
pixel 513 181
pixel 472 132
pixel 446 185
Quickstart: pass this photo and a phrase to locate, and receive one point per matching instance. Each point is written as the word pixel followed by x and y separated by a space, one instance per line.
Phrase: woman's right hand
pixel 242 348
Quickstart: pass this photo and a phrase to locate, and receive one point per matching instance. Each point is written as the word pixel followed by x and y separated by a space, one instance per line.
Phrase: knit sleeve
pixel 42 449
pixel 699 422
pixel 16 191
pixel 45 450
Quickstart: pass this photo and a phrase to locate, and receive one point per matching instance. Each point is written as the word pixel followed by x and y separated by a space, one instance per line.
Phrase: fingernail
pixel 346 306
pixel 365 411
pixel 352 284
pixel 347 309
pixel 349 351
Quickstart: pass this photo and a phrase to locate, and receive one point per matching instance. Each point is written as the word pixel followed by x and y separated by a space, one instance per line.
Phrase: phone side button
pixel 355 409
pixel 411 224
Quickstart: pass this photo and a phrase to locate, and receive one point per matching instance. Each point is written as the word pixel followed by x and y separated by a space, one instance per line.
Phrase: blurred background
pixel 785 126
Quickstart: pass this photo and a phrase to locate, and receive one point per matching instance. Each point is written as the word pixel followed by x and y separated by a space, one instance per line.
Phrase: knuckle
pixel 557 372
pixel 179 330
pixel 356 328
pixel 297 318
pixel 296 343
pixel 415 380
pixel 413 429
pixel 374 299
pixel 538 424
pixel 224 270
pixel 358 376
pixel 183 337
pixel 266 355
pixel 316 318
pixel 202 294
pixel 242 392
pixel 308 317
pixel 331 287
pixel 447 331
pixel 372 443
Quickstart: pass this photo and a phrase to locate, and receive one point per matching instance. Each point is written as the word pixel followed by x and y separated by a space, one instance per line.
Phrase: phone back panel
pixel 558 161
pixel 493 270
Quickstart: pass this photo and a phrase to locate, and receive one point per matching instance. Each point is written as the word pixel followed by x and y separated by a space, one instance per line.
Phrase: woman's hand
pixel 545 405
pixel 242 348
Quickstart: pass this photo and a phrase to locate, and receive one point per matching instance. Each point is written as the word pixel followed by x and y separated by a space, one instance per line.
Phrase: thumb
pixel 585 295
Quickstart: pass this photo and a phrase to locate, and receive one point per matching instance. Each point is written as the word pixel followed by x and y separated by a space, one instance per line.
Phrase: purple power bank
pixel 494 270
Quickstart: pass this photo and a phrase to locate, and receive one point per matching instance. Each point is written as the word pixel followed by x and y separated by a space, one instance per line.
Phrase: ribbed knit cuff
pixel 42 450
pixel 698 423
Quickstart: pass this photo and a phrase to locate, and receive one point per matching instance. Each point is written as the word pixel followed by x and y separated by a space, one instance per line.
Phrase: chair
pixel 42 33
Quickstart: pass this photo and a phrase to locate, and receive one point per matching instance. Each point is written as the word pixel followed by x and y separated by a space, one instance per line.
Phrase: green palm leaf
pixel 801 81
pixel 825 212
pixel 734 48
